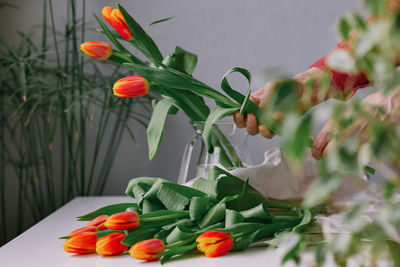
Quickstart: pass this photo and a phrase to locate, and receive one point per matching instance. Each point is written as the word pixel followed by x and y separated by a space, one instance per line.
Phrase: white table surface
pixel 40 246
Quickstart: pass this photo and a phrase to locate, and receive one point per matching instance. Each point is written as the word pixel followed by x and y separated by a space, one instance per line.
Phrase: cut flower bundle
pixel 214 216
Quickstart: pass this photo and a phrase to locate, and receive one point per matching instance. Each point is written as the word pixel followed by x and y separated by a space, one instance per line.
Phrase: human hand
pixel 390 103
pixel 261 97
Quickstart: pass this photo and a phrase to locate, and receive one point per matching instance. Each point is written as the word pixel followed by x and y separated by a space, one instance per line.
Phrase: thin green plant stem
pixel 44 30
pixel 3 229
pixel 100 131
pixel 109 155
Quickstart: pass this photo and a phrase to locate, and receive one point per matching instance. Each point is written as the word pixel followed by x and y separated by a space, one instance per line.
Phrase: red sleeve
pixel 344 82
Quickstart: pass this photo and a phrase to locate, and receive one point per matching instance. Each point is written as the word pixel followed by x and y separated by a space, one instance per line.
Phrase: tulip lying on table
pixel 212 217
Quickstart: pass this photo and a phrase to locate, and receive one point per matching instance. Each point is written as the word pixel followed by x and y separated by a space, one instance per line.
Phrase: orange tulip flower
pixel 131 86
pixel 147 249
pixel 83 243
pixel 111 244
pixel 106 12
pixel 84 229
pixel 117 21
pixel 123 221
pixel 99 50
pixel 214 244
pixel 98 222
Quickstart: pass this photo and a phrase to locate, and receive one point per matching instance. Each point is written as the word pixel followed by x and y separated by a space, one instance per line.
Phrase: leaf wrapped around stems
pixel 180 232
pixel 258 213
pixel 107 210
pixel 232 217
pixel 198 207
pixel 177 197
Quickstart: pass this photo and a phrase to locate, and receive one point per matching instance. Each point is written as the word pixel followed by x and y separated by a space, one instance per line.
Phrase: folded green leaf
pixel 151 205
pixel 138 187
pixel 234 94
pixel 214 215
pixel 107 210
pixel 156 125
pixel 177 197
pixel 207 186
pixel 180 232
pixel 198 207
pixel 181 60
pixel 258 213
pixel 232 217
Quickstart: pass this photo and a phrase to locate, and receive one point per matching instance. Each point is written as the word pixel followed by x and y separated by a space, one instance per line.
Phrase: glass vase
pixel 230 151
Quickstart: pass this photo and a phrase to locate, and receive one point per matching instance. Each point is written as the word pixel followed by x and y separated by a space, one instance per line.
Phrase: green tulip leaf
pixel 177 197
pixel 198 207
pixel 142 41
pixel 258 213
pixel 156 124
pixel 107 210
pixel 180 232
pixel 232 217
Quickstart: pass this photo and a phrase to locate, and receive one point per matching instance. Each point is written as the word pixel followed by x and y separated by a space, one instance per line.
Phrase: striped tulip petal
pixel 106 12
pixel 214 244
pixel 111 244
pixel 83 243
pixel 97 221
pixel 117 21
pixel 123 221
pixel 84 229
pixel 131 86
pixel 95 49
pixel 147 249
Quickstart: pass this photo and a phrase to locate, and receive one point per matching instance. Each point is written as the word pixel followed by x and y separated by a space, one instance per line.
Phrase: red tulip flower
pixel 106 12
pixel 111 244
pixel 131 86
pixel 83 243
pixel 147 249
pixel 84 229
pixel 98 222
pixel 214 244
pixel 123 221
pixel 117 21
pixel 99 50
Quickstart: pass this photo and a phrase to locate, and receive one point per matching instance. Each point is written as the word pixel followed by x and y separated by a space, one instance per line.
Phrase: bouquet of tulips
pixel 166 220
pixel 171 77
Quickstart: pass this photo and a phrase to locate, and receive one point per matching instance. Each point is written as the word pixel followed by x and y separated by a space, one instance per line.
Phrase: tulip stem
pixel 165 217
pixel 182 242
pixel 122 56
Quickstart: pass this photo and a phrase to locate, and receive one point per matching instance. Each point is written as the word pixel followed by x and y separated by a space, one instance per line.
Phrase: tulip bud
pixel 98 222
pixel 117 21
pixel 84 229
pixel 123 221
pixel 106 12
pixel 131 86
pixel 83 243
pixel 147 249
pixel 99 50
pixel 214 244
pixel 111 244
